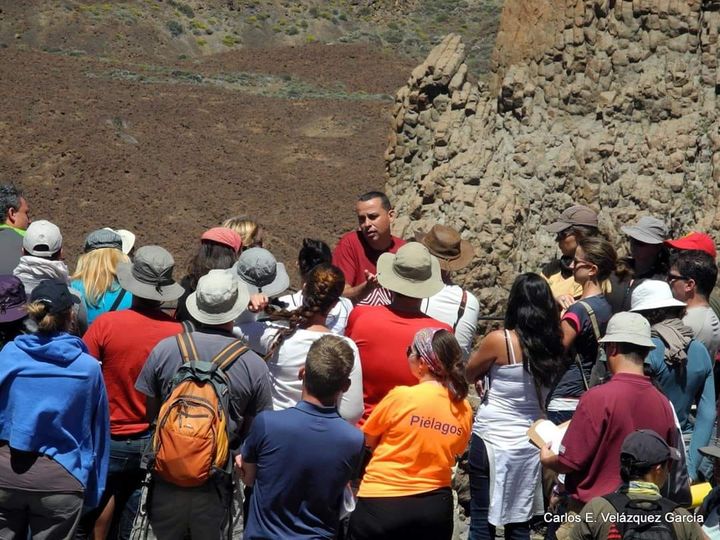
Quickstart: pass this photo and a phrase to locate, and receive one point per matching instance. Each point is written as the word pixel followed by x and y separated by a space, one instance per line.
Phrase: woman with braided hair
pixel 285 339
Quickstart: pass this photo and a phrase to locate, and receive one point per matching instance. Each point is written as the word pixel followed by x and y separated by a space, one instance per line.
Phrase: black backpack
pixel 641 519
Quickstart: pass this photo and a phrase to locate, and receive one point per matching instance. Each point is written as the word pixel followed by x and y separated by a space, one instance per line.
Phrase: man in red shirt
pixel 383 333
pixel 358 251
pixel 606 414
pixel 122 341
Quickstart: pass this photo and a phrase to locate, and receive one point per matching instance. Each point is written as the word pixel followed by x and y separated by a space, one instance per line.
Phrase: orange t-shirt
pixel 421 432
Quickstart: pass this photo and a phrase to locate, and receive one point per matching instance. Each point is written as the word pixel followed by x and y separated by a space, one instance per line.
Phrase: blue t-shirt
pixel 305 456
pixel 585 345
pixel 685 386
pixel 105 302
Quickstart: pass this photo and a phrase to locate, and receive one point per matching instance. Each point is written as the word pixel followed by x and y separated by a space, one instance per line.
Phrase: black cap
pixel 646 447
pixel 55 295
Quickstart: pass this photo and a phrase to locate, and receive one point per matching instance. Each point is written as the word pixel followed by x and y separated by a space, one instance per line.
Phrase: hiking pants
pixel 47 515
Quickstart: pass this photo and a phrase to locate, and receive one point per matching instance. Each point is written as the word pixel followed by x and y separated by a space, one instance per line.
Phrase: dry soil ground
pixel 288 136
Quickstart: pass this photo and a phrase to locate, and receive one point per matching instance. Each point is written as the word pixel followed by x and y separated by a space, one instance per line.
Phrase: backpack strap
pixel 461 309
pixel 188 351
pixel 188 326
pixel 593 319
pixel 618 500
pixel 225 358
pixel 118 299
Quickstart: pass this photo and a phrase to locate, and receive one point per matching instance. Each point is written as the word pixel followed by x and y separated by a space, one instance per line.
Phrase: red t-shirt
pixel 605 415
pixel 122 341
pixel 353 256
pixel 382 336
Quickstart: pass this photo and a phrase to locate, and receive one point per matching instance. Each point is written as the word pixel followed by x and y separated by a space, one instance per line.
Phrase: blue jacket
pixel 684 388
pixel 53 401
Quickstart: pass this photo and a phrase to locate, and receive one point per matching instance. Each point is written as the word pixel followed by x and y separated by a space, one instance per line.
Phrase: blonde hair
pixel 248 229
pixel 47 322
pixel 97 269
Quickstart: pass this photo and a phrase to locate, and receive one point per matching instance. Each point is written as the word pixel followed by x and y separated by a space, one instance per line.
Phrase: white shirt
pixel 444 307
pixel 337 318
pixel 289 357
pixel 705 326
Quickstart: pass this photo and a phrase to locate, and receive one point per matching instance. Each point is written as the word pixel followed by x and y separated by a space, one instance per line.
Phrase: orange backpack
pixel 191 441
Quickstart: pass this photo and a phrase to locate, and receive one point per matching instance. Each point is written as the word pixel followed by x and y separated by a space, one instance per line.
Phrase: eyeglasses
pixel 410 351
pixel 562 235
pixel 671 278
pixel 577 263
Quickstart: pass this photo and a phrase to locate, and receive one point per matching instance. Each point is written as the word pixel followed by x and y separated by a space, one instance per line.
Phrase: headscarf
pixel 422 343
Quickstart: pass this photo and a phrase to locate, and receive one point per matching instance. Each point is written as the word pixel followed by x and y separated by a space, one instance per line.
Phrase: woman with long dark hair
pixel 285 340
pixel 416 433
pixel 521 361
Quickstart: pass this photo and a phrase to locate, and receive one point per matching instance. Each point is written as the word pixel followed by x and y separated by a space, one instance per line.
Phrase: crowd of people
pixel 138 401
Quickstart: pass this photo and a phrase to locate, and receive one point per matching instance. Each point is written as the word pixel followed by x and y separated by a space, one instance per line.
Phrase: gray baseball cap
pixel 219 298
pixel 103 238
pixel 627 327
pixel 648 230
pixel 150 275
pixel 259 270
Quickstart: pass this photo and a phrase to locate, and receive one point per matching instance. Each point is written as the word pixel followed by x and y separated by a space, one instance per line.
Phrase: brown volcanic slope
pixel 168 153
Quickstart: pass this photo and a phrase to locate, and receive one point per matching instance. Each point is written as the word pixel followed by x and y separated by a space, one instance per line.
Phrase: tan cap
pixel 575 215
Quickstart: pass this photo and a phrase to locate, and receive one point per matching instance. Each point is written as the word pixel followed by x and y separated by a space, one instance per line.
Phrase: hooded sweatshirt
pixel 53 402
pixel 32 270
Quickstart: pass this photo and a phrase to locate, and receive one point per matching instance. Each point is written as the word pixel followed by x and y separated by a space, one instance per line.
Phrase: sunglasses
pixel 671 278
pixel 410 351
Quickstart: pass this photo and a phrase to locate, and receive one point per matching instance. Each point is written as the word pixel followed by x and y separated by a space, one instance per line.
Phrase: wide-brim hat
pixel 575 215
pixel 653 294
pixel 261 273
pixel 626 327
pixel 149 276
pixel 219 298
pixel 412 271
pixel 453 253
pixel 648 230
pixel 127 237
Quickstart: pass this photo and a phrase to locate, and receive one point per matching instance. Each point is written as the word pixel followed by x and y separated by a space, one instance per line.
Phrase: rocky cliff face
pixel 613 104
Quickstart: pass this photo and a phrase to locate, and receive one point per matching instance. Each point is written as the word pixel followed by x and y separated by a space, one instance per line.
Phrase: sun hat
pixel 694 241
pixel 648 230
pixel 218 298
pixel 646 447
pixel 225 236
pixel 575 215
pixel 626 327
pixel 445 243
pixel 54 294
pixel 412 271
pixel 103 238
pixel 258 269
pixel 653 294
pixel 128 239
pixel 42 239
pixel 149 276
pixel 12 299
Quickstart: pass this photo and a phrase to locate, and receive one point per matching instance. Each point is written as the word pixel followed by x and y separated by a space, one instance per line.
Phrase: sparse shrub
pixel 201 42
pixel 441 17
pixel 175 28
pixel 182 8
pixel 342 17
pixel 310 38
pixel 314 12
pixel 303 23
pixel 292 31
pixel 393 36
pixel 229 41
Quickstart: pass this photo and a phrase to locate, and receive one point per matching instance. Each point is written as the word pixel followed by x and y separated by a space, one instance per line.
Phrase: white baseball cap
pixel 42 239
